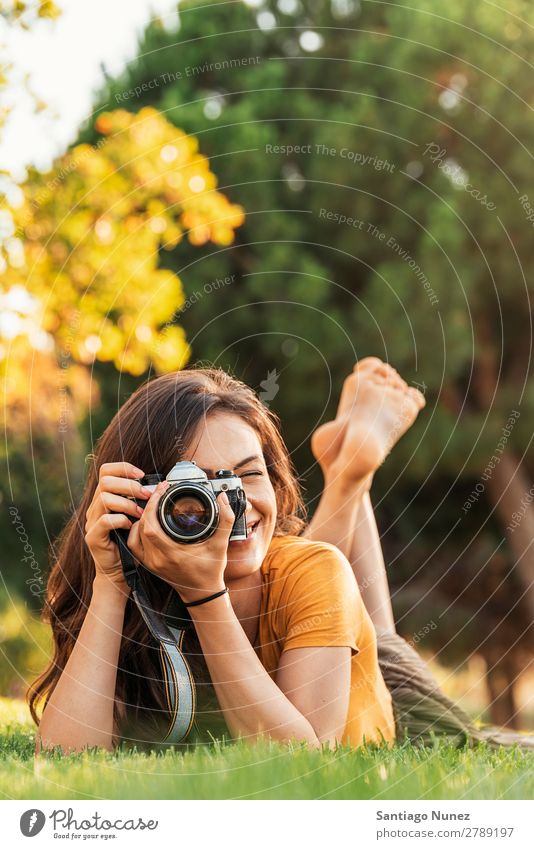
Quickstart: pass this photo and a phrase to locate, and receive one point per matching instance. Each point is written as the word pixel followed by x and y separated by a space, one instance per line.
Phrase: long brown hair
pixel 152 430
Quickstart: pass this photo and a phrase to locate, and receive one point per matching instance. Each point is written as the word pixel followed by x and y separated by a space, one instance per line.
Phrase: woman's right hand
pixel 110 509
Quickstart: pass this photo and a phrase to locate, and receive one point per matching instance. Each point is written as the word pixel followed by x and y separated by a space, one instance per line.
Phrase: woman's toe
pixel 418 396
pixel 368 363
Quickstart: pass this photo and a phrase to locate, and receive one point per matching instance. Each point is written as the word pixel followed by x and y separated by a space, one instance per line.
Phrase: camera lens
pixel 188 515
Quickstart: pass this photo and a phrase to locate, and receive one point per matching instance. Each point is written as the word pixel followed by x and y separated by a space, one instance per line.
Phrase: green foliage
pixel 388 81
pixel 434 279
pixel 25 645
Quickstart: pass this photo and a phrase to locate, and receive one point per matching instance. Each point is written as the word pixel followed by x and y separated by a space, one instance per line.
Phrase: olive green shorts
pixel 423 713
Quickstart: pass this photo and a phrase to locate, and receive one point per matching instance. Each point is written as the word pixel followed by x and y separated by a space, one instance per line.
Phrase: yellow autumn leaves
pixel 84 244
pixel 79 263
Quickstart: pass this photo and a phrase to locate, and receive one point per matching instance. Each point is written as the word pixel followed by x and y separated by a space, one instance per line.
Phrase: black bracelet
pixel 208 598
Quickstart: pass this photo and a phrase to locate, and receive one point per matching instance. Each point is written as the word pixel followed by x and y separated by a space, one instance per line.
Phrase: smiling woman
pixel 290 652
pixel 105 675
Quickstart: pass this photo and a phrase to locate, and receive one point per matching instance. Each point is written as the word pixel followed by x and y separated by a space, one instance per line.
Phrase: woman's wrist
pixel 213 610
pixel 193 594
pixel 105 589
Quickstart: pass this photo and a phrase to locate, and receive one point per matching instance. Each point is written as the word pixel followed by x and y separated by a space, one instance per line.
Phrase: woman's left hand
pixel 194 570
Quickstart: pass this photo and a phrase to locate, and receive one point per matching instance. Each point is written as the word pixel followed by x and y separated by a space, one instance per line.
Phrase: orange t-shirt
pixel 310 598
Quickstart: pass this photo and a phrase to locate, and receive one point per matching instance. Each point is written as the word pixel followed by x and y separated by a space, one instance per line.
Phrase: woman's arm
pixel 79 712
pixel 252 703
pixel 317 680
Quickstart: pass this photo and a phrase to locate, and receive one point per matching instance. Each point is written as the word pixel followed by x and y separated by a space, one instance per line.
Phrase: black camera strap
pixel 179 683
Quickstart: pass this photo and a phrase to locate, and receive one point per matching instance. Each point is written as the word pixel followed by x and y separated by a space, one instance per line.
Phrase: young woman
pixel 291 651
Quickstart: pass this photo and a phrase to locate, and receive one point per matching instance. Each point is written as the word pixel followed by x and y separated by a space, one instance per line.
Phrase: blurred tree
pixel 383 155
pixel 17 14
pixel 13 14
pixel 85 250
pixel 24 14
pixel 82 283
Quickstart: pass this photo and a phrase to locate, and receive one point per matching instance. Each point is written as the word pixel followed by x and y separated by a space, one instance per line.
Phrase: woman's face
pixel 225 441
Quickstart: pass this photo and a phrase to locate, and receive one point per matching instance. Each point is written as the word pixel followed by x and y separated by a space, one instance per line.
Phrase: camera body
pixel 188 511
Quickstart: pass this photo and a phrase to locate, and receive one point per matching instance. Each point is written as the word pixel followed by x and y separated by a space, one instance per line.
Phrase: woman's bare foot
pixel 375 409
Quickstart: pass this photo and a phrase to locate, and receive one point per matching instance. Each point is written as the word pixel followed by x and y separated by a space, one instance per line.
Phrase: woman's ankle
pixel 339 486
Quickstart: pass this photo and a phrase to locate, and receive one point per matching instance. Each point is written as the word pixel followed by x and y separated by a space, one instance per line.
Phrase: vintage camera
pixel 188 510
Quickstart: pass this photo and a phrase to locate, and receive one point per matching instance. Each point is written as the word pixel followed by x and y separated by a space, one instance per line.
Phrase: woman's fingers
pixel 134 542
pixel 148 526
pixel 123 486
pixel 112 503
pixel 114 520
pixel 111 492
pixel 106 523
pixel 123 470
pixel 226 515
pixel 149 523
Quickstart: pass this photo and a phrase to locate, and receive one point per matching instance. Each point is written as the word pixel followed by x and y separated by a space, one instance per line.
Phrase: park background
pixel 282 188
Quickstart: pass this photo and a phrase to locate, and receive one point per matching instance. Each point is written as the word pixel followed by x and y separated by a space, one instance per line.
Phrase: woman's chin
pixel 244 558
pixel 241 563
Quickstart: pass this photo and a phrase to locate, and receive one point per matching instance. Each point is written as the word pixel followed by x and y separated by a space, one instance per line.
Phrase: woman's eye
pixel 248 474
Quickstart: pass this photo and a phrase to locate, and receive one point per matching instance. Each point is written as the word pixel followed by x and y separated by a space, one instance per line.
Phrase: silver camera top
pixel 187 470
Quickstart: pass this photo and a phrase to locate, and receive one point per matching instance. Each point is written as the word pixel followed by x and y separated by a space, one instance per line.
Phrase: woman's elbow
pixel 288 737
pixel 66 747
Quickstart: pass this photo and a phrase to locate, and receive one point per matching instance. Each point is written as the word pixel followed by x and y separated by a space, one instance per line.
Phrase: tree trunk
pixel 512 495
pixel 508 487
pixel 500 680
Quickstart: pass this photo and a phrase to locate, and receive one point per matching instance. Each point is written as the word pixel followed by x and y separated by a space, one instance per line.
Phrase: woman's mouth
pixel 252 529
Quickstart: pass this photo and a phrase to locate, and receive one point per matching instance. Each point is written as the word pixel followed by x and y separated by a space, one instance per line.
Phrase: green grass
pixel 266 771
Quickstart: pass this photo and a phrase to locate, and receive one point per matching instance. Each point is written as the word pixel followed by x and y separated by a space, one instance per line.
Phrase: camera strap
pixel 179 683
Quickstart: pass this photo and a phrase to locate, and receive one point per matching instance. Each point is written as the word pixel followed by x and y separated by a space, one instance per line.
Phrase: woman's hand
pixel 109 510
pixel 194 570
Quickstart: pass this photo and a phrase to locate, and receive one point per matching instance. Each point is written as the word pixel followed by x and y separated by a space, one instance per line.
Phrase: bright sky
pixel 63 59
